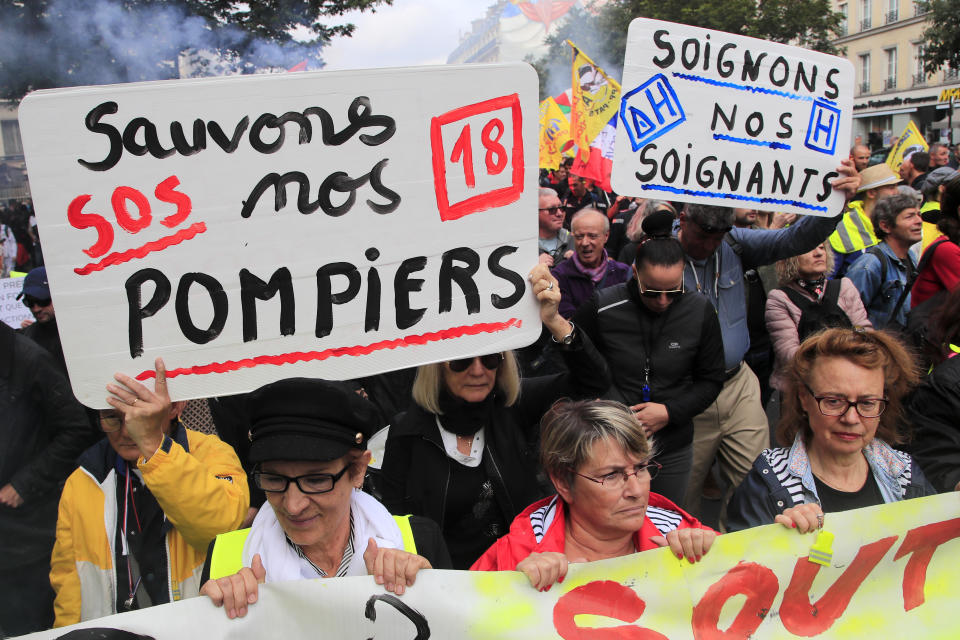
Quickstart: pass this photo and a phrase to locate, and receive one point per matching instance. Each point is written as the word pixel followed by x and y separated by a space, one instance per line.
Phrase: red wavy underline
pixel 336 352
pixel 154 245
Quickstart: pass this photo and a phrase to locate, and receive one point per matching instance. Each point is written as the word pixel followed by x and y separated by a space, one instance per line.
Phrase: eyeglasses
pixel 312 483
pixel 110 421
pixel 673 294
pixel 617 479
pixel 30 301
pixel 834 407
pixel 490 362
pixel 556 209
pixel 580 236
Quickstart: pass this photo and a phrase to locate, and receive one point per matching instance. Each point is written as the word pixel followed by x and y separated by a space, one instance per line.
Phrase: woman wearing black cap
pixel 308 440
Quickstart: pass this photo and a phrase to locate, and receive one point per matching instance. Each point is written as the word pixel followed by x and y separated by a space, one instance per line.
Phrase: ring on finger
pixel 820 521
pixel 550 287
pixel 134 401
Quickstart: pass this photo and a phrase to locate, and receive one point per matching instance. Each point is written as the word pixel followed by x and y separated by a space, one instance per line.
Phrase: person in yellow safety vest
pixel 930 211
pixel 308 442
pixel 855 233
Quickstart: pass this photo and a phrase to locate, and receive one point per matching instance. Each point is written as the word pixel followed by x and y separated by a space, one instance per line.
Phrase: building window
pixel 10 131
pixel 891 80
pixel 864 73
pixel 919 76
pixel 918 10
pixel 893 11
pixel 844 12
pixel 865 14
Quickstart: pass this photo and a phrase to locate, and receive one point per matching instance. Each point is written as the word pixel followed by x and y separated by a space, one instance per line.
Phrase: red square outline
pixel 483 201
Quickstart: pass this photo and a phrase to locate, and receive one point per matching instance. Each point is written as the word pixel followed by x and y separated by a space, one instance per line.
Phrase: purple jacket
pixel 576 288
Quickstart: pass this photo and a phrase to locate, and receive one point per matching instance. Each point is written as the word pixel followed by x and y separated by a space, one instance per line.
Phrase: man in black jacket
pixel 42 432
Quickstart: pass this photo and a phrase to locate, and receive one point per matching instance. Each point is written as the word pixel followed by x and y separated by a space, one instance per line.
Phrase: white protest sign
pixel 12 310
pixel 247 229
pixel 715 118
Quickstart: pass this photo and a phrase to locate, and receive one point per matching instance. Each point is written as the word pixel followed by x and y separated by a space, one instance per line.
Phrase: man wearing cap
pixel 930 210
pixel 855 233
pixel 36 297
pixel 308 441
pixel 137 516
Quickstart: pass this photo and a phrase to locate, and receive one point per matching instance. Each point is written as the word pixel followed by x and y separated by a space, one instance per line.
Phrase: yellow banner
pixel 910 140
pixel 596 98
pixel 554 134
pixel 891 573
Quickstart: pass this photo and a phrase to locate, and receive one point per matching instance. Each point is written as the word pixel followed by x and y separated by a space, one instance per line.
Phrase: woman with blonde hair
pixel 803 285
pixel 462 454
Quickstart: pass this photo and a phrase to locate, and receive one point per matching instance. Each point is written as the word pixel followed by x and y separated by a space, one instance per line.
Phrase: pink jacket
pixel 782 317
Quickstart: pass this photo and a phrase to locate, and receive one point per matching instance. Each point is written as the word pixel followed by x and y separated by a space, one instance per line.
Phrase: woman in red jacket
pixel 601 464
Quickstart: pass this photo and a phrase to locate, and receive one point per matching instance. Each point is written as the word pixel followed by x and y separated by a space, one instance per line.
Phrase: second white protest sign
pixel 716 118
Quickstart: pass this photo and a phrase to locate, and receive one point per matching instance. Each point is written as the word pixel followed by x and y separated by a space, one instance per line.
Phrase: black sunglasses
pixel 29 301
pixel 656 293
pixel 490 362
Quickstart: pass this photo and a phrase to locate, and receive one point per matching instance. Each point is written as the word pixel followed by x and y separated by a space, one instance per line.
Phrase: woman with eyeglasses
pixel 601 463
pixel 662 347
pixel 463 454
pixel 308 441
pixel 841 417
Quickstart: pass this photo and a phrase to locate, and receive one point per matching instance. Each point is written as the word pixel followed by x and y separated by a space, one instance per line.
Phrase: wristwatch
pixel 567 339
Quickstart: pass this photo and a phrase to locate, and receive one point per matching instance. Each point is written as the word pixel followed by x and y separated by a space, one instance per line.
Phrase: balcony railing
pixel 892 16
pixel 889 83
pixel 918 10
pixel 842 30
pixel 865 24
pixel 919 79
pixel 864 88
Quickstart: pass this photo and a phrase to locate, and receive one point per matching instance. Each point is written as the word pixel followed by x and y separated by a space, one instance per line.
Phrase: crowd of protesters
pixel 667 330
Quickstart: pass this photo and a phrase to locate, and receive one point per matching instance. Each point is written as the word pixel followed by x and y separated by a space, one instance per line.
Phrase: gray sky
pixel 410 32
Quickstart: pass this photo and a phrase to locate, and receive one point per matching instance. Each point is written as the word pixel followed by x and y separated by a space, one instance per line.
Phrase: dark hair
pixel 657 246
pixel 868 349
pixel 949 223
pixel 887 209
pixel 920 160
pixel 710 216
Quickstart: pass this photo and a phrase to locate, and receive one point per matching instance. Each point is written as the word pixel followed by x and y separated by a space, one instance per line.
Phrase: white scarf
pixel 281 561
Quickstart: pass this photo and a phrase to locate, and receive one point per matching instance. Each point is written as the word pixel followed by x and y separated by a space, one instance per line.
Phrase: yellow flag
pixel 910 140
pixel 554 134
pixel 596 98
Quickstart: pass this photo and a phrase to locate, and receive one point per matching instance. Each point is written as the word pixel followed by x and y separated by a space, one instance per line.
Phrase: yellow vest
pixel 227 556
pixel 930 231
pixel 855 231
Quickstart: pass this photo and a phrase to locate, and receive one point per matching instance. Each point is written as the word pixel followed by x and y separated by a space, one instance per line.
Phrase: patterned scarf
pixel 596 274
pixel 814 287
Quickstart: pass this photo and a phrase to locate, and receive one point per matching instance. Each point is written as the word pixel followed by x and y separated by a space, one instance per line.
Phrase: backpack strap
pixel 406 533
pixel 797 298
pixel 832 293
pixel 924 261
pixel 879 255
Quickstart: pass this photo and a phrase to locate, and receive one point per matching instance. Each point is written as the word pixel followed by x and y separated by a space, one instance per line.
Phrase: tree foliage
pixel 602 33
pixel 57 43
pixel 941 37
